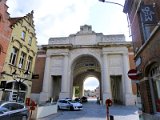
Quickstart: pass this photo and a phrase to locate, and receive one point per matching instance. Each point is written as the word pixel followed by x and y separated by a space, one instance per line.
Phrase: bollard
pixel 108 104
pixel 111 117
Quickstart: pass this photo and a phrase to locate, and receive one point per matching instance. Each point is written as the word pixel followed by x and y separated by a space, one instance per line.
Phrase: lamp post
pixel 111 2
pixel 19 81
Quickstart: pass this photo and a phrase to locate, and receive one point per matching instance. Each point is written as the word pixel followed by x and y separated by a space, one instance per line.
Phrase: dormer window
pixel 30 41
pixel 23 35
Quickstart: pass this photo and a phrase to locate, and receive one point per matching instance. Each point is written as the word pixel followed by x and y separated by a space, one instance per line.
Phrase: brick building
pixel 39 69
pixel 5 32
pixel 144 17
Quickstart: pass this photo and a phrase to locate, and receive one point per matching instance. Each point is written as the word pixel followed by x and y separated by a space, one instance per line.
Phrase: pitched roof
pixel 14 20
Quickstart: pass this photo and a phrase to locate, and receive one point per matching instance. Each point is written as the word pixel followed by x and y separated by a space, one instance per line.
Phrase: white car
pixel 69 104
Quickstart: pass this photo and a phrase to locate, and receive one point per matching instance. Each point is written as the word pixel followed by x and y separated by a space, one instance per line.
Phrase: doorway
pixel 56 81
pixel 116 88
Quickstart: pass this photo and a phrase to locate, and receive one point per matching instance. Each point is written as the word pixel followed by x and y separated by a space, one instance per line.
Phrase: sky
pixel 56 18
pixel 91 83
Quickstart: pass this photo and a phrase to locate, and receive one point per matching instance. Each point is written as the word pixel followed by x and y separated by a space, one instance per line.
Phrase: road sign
pixel 108 102
pixel 133 74
pixel 35 76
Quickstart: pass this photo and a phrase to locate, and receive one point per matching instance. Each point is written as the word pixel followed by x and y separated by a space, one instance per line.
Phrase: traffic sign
pixel 108 102
pixel 35 76
pixel 133 74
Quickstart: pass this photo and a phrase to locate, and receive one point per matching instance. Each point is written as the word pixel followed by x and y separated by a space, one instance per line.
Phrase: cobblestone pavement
pixel 93 111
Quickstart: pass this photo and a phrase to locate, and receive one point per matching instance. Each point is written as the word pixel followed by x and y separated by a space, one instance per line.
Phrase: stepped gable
pixel 28 17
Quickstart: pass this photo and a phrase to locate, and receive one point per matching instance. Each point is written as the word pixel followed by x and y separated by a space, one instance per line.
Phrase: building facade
pixel 39 69
pixel 5 32
pixel 144 17
pixel 70 60
pixel 20 60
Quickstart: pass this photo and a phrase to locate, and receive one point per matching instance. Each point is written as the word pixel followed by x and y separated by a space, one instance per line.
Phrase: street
pixel 94 111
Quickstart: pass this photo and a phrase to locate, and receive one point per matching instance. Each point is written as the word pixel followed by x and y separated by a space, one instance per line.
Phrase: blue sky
pixel 57 18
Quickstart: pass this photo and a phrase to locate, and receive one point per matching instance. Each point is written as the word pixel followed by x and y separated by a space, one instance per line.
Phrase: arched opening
pixel 154 81
pixel 85 67
pixel 91 88
pixel 11 91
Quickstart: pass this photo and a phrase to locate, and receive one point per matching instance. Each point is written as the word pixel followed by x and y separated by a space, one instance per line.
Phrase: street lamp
pixel 112 2
pixel 121 6
pixel 19 81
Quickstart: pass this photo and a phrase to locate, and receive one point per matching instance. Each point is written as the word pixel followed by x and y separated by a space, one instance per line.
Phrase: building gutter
pixel 138 6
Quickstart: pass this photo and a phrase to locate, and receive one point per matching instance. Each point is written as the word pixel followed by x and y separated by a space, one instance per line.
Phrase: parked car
pixel 81 100
pixel 78 100
pixel 69 104
pixel 13 111
pixel 84 99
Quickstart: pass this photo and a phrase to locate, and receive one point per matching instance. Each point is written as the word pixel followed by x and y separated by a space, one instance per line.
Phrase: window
pixel 29 63
pixel 1 17
pixel 155 78
pixel 0 49
pixel 22 59
pixel 30 41
pixel 23 35
pixel 13 56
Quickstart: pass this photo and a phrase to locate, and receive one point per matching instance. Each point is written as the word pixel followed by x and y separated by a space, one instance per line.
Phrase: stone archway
pixel 71 59
pixel 83 67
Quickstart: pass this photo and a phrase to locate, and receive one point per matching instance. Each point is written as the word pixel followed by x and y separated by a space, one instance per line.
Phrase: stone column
pixel 129 98
pixel 73 95
pixel 65 83
pixel 81 89
pixel 106 88
pixel 44 95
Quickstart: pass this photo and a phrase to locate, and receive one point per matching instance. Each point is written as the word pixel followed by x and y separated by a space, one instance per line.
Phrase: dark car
pixel 84 99
pixel 13 111
pixel 77 99
pixel 81 100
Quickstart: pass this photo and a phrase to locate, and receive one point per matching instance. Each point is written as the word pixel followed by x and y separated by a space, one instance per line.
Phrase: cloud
pixel 54 18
